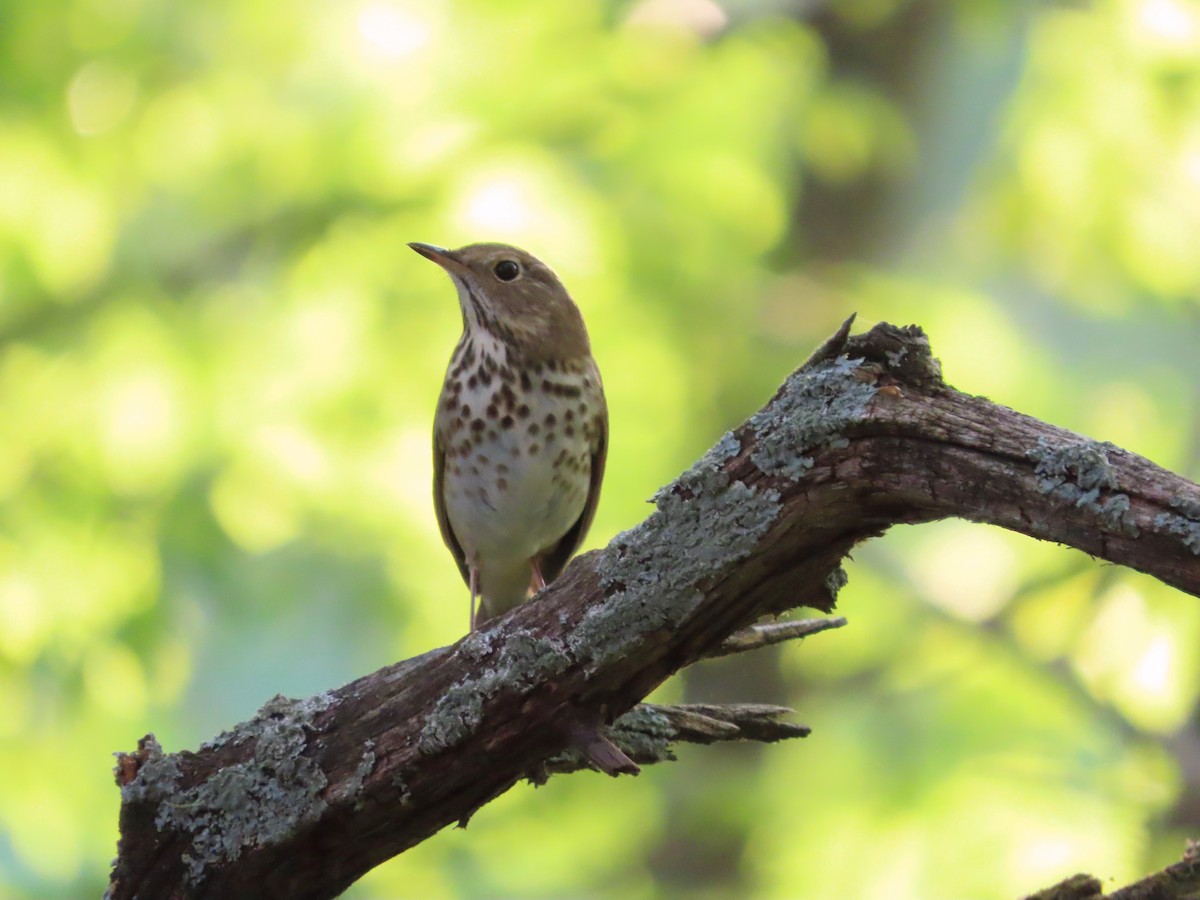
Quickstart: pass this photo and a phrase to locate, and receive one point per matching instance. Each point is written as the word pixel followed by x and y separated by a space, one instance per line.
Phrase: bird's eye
pixel 507 270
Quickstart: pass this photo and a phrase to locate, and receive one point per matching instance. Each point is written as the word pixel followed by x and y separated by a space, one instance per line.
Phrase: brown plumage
pixel 521 429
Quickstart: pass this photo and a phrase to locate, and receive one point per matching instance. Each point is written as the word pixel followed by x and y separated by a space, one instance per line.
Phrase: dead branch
pixel 309 795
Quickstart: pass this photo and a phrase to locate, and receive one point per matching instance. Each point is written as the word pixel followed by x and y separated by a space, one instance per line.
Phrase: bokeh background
pixel 219 362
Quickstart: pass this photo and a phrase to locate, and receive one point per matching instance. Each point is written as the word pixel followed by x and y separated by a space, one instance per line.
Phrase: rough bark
pixel 310 794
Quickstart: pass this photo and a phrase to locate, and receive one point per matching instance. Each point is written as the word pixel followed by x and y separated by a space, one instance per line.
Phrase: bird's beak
pixel 440 255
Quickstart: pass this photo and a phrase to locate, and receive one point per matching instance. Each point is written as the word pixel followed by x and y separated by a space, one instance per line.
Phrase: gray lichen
pixel 350 789
pixel 455 717
pixel 1114 512
pixel 254 803
pixel 650 574
pixel 895 358
pixel 645 734
pixel 1186 525
pixel 523 659
pixel 835 581
pixel 813 409
pixel 156 777
pixel 725 449
pixel 1078 473
pixel 526 659
pixel 1189 507
pixel 477 645
pixel 1085 463
pixel 305 708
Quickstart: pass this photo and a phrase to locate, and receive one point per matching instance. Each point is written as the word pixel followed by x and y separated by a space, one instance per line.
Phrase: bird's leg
pixel 538 581
pixel 474 586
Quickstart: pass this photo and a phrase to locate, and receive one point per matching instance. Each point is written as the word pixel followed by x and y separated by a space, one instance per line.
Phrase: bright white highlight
pixel 1153 670
pixel 391 31
pixel 1167 21
pixel 498 207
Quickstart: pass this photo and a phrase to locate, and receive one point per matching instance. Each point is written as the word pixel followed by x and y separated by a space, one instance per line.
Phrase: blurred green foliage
pixel 218 363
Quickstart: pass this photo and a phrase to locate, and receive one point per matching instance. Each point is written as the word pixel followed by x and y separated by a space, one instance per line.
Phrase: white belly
pixel 514 512
pixel 512 493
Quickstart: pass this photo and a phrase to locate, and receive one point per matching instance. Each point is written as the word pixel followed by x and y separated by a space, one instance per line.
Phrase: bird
pixel 520 435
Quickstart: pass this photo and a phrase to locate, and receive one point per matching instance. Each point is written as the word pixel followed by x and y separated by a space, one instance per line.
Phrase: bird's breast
pixel 518 445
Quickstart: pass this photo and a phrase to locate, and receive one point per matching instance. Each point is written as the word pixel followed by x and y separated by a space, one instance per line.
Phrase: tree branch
pixel 769 633
pixel 647 732
pixel 311 794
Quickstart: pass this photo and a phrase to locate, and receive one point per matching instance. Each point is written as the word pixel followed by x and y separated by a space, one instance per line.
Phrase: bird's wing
pixel 439 506
pixel 554 560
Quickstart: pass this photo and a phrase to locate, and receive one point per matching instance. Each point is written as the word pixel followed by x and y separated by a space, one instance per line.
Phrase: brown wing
pixel 554 560
pixel 439 507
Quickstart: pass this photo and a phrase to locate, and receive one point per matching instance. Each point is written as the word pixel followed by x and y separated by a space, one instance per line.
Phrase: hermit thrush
pixel 521 430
